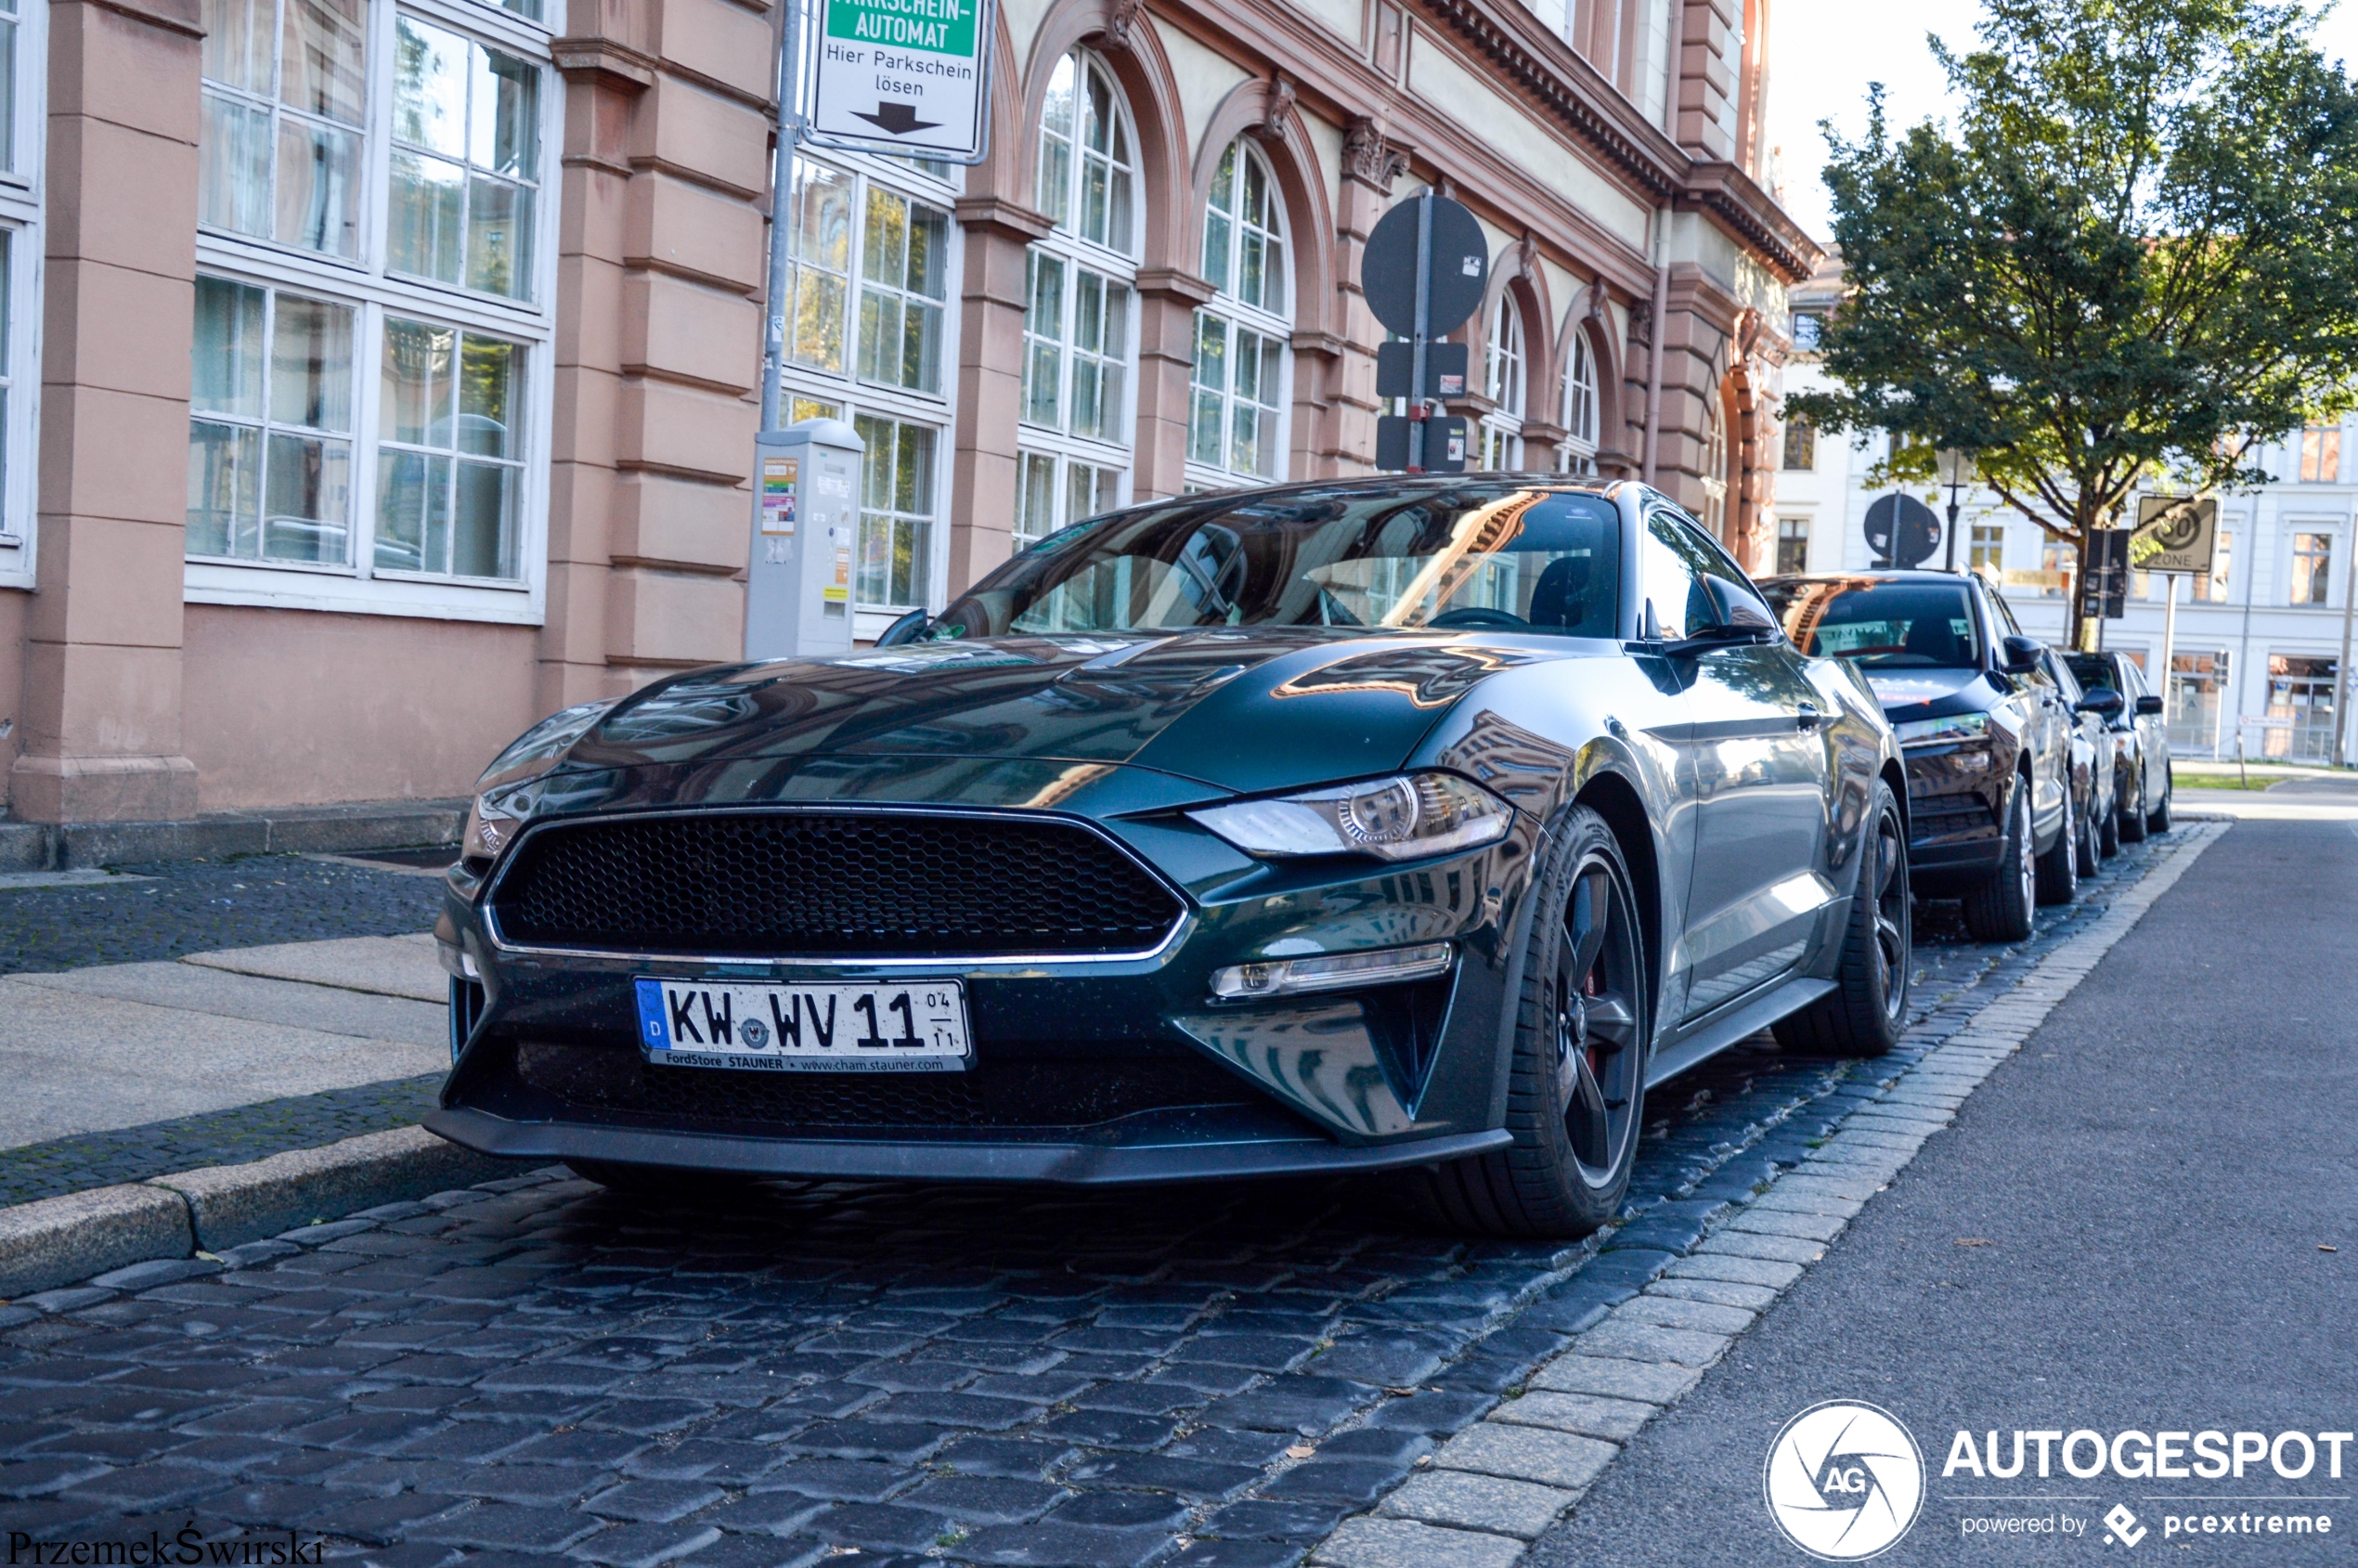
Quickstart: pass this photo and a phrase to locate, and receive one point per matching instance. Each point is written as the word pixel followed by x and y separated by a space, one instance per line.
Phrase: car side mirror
pixel 907 628
pixel 2148 707
pixel 2019 655
pixel 2103 702
pixel 1739 611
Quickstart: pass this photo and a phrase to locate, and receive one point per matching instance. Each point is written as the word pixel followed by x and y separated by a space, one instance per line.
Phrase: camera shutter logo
pixel 1843 1479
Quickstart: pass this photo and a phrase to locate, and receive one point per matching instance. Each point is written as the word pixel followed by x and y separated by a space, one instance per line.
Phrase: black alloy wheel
pixel 2059 867
pixel 1575 1096
pixel 1867 1011
pixel 2132 812
pixel 2158 820
pixel 2000 908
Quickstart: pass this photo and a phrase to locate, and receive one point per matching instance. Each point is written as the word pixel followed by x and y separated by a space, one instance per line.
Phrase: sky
pixel 1823 53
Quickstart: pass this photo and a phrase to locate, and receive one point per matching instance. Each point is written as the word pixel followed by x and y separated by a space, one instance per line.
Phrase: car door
pixel 1759 879
pixel 2050 726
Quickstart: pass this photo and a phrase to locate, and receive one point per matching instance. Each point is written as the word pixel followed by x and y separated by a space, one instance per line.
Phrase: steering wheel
pixel 1478 615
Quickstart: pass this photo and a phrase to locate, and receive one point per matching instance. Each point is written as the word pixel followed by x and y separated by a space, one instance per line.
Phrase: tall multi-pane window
pixel 869 339
pixel 1503 382
pixel 1714 472
pixel 2212 588
pixel 2313 556
pixel 285 97
pixel 1581 412
pixel 466 141
pixel 2058 562
pixel 1237 413
pixel 1988 551
pixel 1801 447
pixel 1080 315
pixel 2321 454
pixel 379 425
pixel 1793 544
pixel 22 75
pixel 270 425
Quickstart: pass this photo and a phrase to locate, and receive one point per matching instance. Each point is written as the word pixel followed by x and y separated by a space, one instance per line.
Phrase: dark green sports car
pixel 1398 823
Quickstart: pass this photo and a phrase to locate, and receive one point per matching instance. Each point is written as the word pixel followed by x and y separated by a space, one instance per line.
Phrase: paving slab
pixel 232 993
pixel 404 965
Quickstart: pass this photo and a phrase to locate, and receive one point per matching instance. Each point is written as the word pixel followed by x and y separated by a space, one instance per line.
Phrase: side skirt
pixel 1749 1018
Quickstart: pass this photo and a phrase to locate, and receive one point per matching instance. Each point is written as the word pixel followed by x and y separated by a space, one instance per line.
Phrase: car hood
pixel 1244 710
pixel 1932 694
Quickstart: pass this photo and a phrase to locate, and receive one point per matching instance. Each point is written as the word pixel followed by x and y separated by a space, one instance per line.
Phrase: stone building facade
pixel 382 374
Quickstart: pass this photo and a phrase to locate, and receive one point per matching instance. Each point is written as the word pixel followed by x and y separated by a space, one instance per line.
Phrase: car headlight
pixel 1404 817
pixel 1956 727
pixel 503 795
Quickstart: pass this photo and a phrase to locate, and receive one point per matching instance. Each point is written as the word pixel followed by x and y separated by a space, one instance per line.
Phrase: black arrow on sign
pixel 896 119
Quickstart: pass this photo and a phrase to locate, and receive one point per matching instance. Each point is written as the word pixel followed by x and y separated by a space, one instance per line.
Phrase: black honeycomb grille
pixel 1018 1093
pixel 830 884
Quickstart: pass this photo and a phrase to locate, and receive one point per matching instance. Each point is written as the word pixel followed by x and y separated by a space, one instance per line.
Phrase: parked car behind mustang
pixel 2141 741
pixel 1391 823
pixel 1993 797
pixel 2092 763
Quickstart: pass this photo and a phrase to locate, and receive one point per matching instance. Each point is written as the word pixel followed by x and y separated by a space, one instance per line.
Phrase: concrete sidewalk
pixel 125 1046
pixel 2142 1222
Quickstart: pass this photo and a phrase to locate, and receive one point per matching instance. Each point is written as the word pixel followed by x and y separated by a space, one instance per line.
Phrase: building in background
pixel 2258 641
pixel 379 375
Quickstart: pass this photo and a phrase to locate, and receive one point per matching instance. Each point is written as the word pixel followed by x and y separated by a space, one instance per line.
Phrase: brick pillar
pixel 1167 302
pixel 102 660
pixel 1371 163
pixel 989 391
pixel 663 264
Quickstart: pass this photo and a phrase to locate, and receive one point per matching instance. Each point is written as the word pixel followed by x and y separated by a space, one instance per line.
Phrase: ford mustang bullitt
pixel 1413 824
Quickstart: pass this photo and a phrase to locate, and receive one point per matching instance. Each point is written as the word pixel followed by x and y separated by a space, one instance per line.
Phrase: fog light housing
pixel 1339 971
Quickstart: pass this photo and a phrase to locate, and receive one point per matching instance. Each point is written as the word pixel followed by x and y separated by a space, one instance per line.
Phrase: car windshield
pixel 2093 669
pixel 1879 622
pixel 1476 556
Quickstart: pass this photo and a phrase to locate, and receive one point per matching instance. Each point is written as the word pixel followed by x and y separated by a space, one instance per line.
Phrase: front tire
pixel 2109 840
pixel 2000 909
pixel 2133 814
pixel 2158 819
pixel 2090 859
pixel 1867 1011
pixel 2059 867
pixel 1575 1097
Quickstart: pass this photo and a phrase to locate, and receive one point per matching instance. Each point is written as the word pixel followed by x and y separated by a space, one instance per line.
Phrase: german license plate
pixel 920 1027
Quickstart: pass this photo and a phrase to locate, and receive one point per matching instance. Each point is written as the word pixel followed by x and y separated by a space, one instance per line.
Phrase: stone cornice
pixel 603 60
pixel 1170 282
pixel 1730 195
pixel 996 215
pixel 170 16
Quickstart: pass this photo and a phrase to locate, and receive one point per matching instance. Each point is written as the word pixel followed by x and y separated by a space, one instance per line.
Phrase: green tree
pixel 2134 260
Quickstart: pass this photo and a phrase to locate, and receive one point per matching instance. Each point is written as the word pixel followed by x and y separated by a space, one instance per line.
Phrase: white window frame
pixel 2293 531
pixel 1231 314
pixel 851 397
pixel 1506 379
pixel 358 586
pixel 21 217
pixel 1076 251
pixel 1582 417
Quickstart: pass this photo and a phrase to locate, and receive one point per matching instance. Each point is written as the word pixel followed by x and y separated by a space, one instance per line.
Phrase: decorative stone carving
pixel 1121 16
pixel 1277 107
pixel 1366 155
pixel 1641 322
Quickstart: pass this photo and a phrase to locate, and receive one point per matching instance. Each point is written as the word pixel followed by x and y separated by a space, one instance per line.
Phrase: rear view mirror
pixel 2149 706
pixel 1738 608
pixel 2103 702
pixel 2019 655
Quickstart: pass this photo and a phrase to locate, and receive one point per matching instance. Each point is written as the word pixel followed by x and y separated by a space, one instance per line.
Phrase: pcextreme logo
pixel 1843 1479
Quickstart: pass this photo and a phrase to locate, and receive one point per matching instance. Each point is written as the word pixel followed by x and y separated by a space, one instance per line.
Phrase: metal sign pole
pixel 773 364
pixel 2168 647
pixel 1417 339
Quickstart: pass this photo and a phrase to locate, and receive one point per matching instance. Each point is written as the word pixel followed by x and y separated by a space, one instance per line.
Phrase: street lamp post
pixel 1956 472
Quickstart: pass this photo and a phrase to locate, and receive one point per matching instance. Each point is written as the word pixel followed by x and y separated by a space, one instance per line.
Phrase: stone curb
pixel 1645 1354
pixel 62 1241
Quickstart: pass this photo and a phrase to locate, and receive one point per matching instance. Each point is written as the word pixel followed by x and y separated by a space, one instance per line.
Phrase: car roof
pixel 1876 574
pixel 1246 495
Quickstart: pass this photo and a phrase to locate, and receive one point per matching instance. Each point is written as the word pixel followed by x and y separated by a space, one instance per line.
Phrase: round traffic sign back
pixel 1460 268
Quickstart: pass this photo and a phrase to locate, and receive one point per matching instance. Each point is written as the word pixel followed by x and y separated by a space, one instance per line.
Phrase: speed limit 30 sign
pixel 910 77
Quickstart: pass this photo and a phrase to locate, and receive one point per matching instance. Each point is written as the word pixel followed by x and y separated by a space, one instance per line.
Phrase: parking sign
pixel 910 77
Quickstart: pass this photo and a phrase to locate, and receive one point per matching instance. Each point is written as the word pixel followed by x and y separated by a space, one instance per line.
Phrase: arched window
pixel 1503 382
pixel 1079 322
pixel 1580 415
pixel 1715 468
pixel 1236 427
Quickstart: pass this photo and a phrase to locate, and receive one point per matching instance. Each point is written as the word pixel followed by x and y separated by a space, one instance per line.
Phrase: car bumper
pixel 1212 1151
pixel 1082 1071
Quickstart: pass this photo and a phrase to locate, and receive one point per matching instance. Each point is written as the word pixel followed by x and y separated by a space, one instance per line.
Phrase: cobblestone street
pixel 1010 1376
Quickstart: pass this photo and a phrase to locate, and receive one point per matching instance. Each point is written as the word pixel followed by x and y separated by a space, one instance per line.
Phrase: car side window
pixel 1670 572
